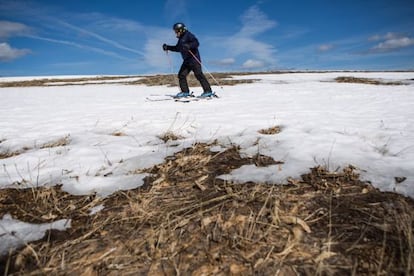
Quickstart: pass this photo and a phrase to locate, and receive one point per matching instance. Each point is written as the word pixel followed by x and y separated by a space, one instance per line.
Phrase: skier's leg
pixel 198 73
pixel 182 78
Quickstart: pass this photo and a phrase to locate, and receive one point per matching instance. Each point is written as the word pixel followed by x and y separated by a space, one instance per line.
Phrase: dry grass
pixel 367 81
pixel 168 79
pixel 171 80
pixel 169 136
pixel 58 142
pixel 118 133
pixel 271 130
pixel 185 221
pixel 61 82
pixel 8 153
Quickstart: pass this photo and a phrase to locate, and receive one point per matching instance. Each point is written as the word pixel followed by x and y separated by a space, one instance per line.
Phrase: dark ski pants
pixel 185 69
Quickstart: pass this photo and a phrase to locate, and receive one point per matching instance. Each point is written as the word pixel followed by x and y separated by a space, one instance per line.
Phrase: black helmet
pixel 179 27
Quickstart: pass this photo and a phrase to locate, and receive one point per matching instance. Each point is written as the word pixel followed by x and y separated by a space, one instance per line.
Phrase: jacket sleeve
pixel 172 48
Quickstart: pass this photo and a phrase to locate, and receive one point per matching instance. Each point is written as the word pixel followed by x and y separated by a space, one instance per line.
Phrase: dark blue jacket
pixel 191 40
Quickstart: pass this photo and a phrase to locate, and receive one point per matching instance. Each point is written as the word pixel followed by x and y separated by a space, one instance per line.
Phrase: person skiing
pixel 187 45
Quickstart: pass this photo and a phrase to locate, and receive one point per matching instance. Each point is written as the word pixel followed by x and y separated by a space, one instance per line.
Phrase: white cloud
pixel 387 36
pixel 8 29
pixel 325 47
pixel 80 46
pixel 253 64
pixel 394 44
pixel 101 38
pixel 113 24
pixel 390 42
pixel 226 61
pixel 154 55
pixel 8 53
pixel 254 22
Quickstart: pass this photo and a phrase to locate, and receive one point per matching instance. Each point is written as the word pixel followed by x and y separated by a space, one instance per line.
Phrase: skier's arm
pixel 166 47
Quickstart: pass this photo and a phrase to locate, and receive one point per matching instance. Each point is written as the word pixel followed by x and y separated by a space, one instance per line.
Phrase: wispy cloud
pixel 225 62
pixel 9 29
pixel 325 47
pixel 253 64
pixel 245 44
pixel 390 42
pixel 79 32
pixel 100 37
pixel 80 46
pixel 154 55
pixel 255 22
pixel 7 53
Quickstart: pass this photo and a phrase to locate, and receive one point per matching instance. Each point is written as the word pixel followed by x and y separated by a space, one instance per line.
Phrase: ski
pixel 195 99
pixel 159 98
pixel 191 98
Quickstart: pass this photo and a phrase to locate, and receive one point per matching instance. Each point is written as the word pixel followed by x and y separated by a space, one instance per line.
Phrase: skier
pixel 187 45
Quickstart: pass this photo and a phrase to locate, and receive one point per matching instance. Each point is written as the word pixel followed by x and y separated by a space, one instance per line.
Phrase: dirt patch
pixel 367 81
pixel 172 80
pixel 168 79
pixel 222 79
pixel 185 220
pixel 61 82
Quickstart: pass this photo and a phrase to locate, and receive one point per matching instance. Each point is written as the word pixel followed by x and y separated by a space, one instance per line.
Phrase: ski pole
pixel 205 68
pixel 172 69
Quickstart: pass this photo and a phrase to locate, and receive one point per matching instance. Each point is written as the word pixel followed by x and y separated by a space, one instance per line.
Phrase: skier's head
pixel 179 29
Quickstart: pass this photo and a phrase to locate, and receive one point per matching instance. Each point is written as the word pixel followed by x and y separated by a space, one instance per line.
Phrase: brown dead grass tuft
pixel 271 130
pixel 185 220
pixel 61 82
pixel 7 154
pixel 118 133
pixel 367 81
pixel 169 136
pixel 167 79
pixel 58 142
pixel 171 80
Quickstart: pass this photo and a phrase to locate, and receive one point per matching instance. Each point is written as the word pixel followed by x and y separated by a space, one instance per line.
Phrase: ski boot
pixel 207 94
pixel 182 95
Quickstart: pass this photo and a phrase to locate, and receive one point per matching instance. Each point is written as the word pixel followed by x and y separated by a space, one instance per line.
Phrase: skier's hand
pixel 165 47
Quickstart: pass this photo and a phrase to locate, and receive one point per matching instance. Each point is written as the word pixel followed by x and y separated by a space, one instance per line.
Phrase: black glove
pixel 165 47
pixel 186 47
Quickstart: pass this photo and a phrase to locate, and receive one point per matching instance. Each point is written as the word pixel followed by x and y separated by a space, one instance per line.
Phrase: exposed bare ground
pixel 186 221
pixel 367 81
pixel 171 80
pixel 168 79
pixel 58 82
pixel 57 142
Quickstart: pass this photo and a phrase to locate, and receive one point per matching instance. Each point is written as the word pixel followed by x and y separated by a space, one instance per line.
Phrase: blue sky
pixel 89 37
